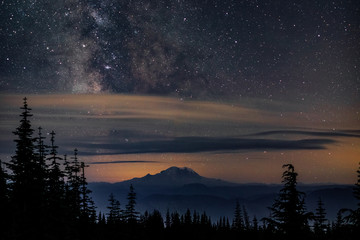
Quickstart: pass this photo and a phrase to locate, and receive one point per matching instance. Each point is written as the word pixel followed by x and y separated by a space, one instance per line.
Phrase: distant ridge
pixel 178 189
pixel 175 176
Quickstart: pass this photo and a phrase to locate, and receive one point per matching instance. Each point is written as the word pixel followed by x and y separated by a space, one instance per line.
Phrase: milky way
pixel 286 50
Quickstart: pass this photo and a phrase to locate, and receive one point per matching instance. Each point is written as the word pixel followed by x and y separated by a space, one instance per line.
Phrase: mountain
pixel 175 177
pixel 181 188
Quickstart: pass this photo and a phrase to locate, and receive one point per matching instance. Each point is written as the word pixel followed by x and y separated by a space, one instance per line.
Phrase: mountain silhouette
pixel 175 177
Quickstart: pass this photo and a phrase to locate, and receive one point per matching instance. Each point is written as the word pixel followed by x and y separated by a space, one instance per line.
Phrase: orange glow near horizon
pixel 91 119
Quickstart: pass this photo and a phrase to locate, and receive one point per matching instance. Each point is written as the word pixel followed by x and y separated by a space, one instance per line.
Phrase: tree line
pixel 44 195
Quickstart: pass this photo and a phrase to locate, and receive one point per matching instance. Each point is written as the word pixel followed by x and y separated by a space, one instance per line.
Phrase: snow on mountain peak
pixel 176 171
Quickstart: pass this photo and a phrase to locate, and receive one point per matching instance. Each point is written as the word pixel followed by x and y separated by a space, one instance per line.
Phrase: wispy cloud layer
pixel 346 133
pixel 207 144
pixel 115 132
pixel 118 162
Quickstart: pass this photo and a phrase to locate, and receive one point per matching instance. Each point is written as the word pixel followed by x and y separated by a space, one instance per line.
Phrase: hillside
pixel 181 188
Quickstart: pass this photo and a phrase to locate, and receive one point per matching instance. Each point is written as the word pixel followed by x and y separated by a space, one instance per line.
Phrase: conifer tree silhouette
pixel 41 151
pixel 167 219
pixel 55 190
pixel 356 213
pixel 255 224
pixel 246 219
pixel 289 214
pixel 238 224
pixel 87 207
pixel 27 180
pixel 4 202
pixel 73 194
pixel 320 224
pixel 175 220
pixel 353 215
pixel 55 174
pixel 130 213
pixel 187 218
pixel 115 213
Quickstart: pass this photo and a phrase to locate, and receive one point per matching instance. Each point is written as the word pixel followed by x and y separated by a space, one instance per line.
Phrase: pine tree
pixel 246 219
pixel 320 219
pixel 154 222
pixel 56 182
pixel 55 189
pixel 339 223
pixel 130 213
pixel 205 221
pixel 175 220
pixel 41 150
pixel 255 225
pixel 4 203
pixel 354 216
pixel 4 193
pixel 67 171
pixel 339 227
pixel 238 218
pixel 220 224
pixel 115 213
pixel 167 219
pixel 73 191
pixel 27 180
pixel 187 218
pixel 195 218
pixel 357 187
pixel 289 214
pixel 227 223
pixel 87 207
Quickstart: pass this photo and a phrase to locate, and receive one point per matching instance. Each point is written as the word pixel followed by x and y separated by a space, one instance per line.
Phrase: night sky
pixel 232 89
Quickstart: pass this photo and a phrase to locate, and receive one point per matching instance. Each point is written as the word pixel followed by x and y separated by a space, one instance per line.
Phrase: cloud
pixel 111 162
pixel 129 124
pixel 207 144
pixel 346 133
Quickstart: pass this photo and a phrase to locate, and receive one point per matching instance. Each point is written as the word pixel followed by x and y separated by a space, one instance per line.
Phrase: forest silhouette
pixel 44 195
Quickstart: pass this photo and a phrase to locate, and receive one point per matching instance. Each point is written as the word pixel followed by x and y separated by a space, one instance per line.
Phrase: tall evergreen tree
pixel 27 180
pixel 320 224
pixel 73 192
pixel 289 214
pixel 246 219
pixel 357 187
pixel 167 219
pixel 55 191
pixel 205 221
pixel 255 224
pixel 4 193
pixel 238 224
pixel 187 218
pixel 175 220
pixel 87 207
pixel 4 203
pixel 339 227
pixel 356 214
pixel 154 223
pixel 56 182
pixel 354 217
pixel 130 212
pixel 41 150
pixel 196 218
pixel 114 215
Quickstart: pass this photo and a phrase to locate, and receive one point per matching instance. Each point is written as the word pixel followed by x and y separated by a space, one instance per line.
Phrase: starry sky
pixel 231 88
